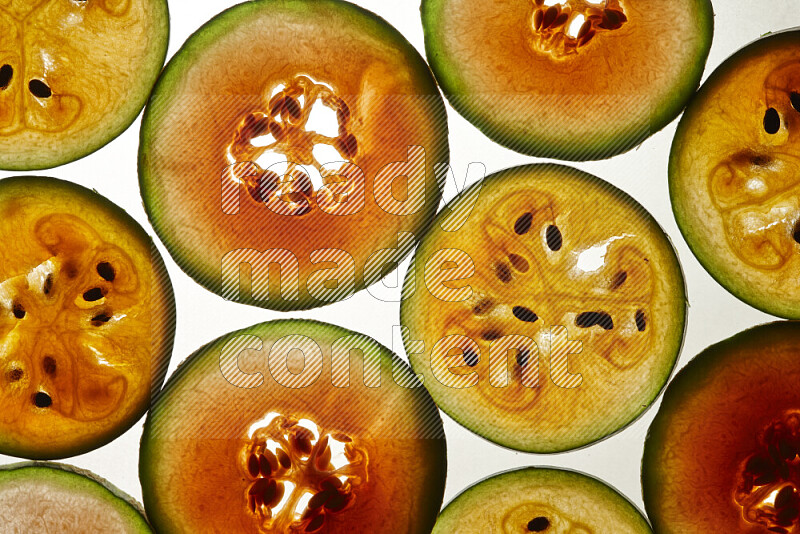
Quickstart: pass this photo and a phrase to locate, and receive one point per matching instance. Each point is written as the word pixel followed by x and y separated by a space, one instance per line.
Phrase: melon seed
pixel 589 319
pixel 284 459
pixel 264 466
pixel 253 465
pixel 316 524
pixel 49 365
pixel 106 271
pixel 524 314
pixel 100 319
pixel 42 400
pixel 794 98
pixel 554 239
pixel 319 500
pixel 523 356
pixel 93 294
pixel 48 284
pixel 6 73
pixel 519 263
pixel 523 224
pixel 39 89
pixel 641 321
pixel 18 310
pixel 772 121
pixel 619 279
pixel 538 524
pixel 502 272
pixel 15 374
pixel 470 358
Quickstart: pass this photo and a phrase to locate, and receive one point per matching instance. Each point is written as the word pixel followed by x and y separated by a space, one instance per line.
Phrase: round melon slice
pixel 538 499
pixel 87 319
pixel 293 426
pixel 734 174
pixel 572 80
pixel 545 308
pixel 722 452
pixel 74 74
pixel 287 153
pixel 61 499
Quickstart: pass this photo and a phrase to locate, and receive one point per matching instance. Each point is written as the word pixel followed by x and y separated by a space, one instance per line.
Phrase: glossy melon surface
pixel 574 80
pixel 537 499
pixel 722 453
pixel 74 74
pixel 734 174
pixel 545 308
pixel 293 426
pixel 87 319
pixel 61 499
pixel 292 136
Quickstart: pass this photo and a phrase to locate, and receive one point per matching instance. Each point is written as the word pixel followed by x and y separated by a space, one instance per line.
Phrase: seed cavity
pixel 106 271
pixel 42 400
pixel 641 321
pixel 538 524
pixel 470 358
pixel 619 279
pixel 49 365
pixel 18 310
pixel 93 294
pixel 503 272
pixel 16 374
pixel 554 239
pixel 101 318
pixel 6 73
pixel 589 319
pixel 524 314
pixel 523 356
pixel 482 306
pixel 39 89
pixel 796 232
pixel 794 98
pixel 772 121
pixel 519 263
pixel 523 224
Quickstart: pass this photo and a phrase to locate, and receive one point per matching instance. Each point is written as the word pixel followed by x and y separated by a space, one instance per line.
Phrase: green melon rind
pixel 680 310
pixel 100 137
pixel 167 330
pixel 206 359
pixel 689 380
pixel 485 490
pixel 222 24
pixel 448 74
pixel 747 293
pixel 82 481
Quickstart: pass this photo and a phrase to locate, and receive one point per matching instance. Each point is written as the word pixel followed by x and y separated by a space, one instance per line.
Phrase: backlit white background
pixel 202 316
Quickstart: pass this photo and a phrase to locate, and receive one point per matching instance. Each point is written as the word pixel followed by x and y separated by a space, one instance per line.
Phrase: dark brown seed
pixel 470 358
pixel 589 319
pixel 279 491
pixel 554 239
pixel 277 131
pixel 560 20
pixel 796 232
pixel 619 279
pixel 251 503
pixel 18 310
pixel 523 224
pixel 6 73
pixel 523 356
pixel 482 306
pixel 586 37
pixel 503 272
pixel 337 502
pixel 42 400
pixel 794 98
pixel 319 500
pixel 641 321
pixel 261 125
pixel 48 284
pixel 100 319
pixel 524 314
pixel 343 113
pixel 787 516
pixel 315 524
pixel 252 465
pixel 491 335
pixel 585 27
pixel 766 478
pixel 538 524
pixel 264 466
pixel 785 497
pixel 270 492
pixel 331 483
pixel 519 263
pixel 15 374
pixel 291 107
pixel 758 465
pixel 550 16
pixel 271 459
pixel 779 530
pixel 49 365
pixel 39 89
pixel 276 108
pixel 301 444
pixel 93 294
pixel 347 145
pixel 786 450
pixel 612 17
pixel 259 486
pixel 772 121
pixel 537 19
pixel 284 459
pixel 70 269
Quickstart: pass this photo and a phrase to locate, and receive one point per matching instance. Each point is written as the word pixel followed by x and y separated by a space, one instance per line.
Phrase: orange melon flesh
pixel 539 499
pixel 61 499
pixel 86 319
pixel 202 101
pixel 199 436
pixel 712 422
pixel 74 75
pixel 598 100
pixel 734 180
pixel 552 317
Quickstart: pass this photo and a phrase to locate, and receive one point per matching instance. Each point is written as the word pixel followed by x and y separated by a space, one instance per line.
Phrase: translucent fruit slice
pixel 74 74
pixel 734 174
pixel 61 499
pixel 545 307
pixel 293 426
pixel 288 152
pixel 538 499
pixel 722 452
pixel 573 79
pixel 87 319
